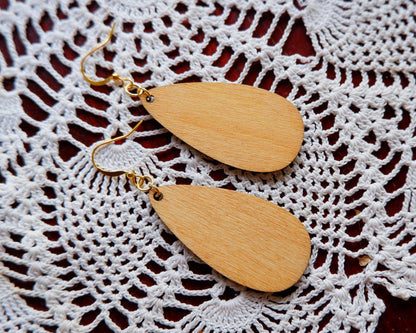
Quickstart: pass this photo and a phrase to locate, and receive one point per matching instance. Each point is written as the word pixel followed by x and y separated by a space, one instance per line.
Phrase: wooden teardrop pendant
pixel 248 239
pixel 243 126
pixel 246 127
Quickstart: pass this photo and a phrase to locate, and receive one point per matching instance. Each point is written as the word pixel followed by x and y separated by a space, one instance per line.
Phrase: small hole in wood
pixel 158 196
pixel 150 99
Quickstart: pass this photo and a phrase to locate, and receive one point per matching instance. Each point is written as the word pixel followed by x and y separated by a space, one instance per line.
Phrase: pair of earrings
pixel 247 239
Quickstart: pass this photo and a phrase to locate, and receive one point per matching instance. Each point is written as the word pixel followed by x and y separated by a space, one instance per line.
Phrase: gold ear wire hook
pixel 106 172
pixel 131 88
pixel 143 183
pixel 108 79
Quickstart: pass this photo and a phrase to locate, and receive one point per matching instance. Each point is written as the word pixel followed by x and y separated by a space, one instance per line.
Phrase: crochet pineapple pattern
pixel 82 252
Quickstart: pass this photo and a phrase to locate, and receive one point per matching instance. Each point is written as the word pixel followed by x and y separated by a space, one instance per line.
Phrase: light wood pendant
pixel 246 127
pixel 248 239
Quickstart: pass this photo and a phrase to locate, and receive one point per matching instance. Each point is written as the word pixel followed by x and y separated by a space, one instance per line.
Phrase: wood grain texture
pixel 246 127
pixel 248 239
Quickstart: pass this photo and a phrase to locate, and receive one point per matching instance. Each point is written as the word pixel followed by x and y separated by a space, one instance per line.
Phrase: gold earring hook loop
pixel 108 79
pixel 107 172
pixel 144 183
pixel 131 88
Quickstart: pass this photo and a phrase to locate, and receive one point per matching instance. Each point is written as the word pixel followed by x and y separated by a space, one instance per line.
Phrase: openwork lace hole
pixel 150 99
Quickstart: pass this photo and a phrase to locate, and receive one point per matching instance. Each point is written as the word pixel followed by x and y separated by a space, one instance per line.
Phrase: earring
pixel 247 239
pixel 246 127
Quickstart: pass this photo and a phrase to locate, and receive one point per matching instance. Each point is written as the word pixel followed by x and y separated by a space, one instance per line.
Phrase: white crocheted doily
pixel 82 252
